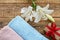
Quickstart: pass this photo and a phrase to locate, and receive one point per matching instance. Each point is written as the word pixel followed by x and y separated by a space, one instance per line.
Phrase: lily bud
pixel 50 18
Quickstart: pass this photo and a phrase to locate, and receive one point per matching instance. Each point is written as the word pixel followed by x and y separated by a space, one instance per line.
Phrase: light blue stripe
pixel 26 31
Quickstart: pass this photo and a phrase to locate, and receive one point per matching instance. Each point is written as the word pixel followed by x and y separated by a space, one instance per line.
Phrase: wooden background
pixel 11 8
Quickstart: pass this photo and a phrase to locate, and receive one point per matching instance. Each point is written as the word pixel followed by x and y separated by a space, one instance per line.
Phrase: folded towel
pixel 25 30
pixel 7 33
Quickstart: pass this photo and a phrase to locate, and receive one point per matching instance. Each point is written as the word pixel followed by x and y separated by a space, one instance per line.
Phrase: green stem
pixel 33 4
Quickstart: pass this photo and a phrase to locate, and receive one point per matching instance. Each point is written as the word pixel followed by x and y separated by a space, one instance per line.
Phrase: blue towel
pixel 26 31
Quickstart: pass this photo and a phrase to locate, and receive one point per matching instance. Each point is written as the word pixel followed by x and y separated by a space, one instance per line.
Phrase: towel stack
pixel 18 29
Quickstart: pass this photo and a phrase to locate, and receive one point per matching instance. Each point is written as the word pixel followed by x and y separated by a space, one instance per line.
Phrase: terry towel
pixel 7 33
pixel 22 28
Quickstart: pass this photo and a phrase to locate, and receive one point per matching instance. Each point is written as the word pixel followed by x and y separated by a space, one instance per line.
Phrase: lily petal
pixel 46 7
pixel 37 19
pixel 23 10
pixel 30 8
pixel 44 18
pixel 38 8
pixel 31 18
pixel 48 11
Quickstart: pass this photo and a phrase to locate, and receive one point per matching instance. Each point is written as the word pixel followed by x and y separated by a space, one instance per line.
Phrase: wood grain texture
pixel 11 8
pixel 26 1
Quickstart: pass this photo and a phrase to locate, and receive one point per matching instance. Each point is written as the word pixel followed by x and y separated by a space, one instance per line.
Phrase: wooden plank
pixel 40 29
pixel 26 1
pixel 11 10
pixel 12 1
pixel 48 1
pixel 5 21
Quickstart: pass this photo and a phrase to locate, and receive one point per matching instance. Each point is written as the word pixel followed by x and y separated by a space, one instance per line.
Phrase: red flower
pixel 52 31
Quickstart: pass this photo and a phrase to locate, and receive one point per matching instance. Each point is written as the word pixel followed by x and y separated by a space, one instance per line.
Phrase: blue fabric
pixel 22 28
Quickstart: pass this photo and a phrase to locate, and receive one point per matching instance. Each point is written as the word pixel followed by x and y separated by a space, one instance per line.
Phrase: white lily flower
pixel 41 13
pixel 27 13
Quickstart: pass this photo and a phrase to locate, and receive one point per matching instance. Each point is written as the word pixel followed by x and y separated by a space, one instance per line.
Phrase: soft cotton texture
pixel 7 33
